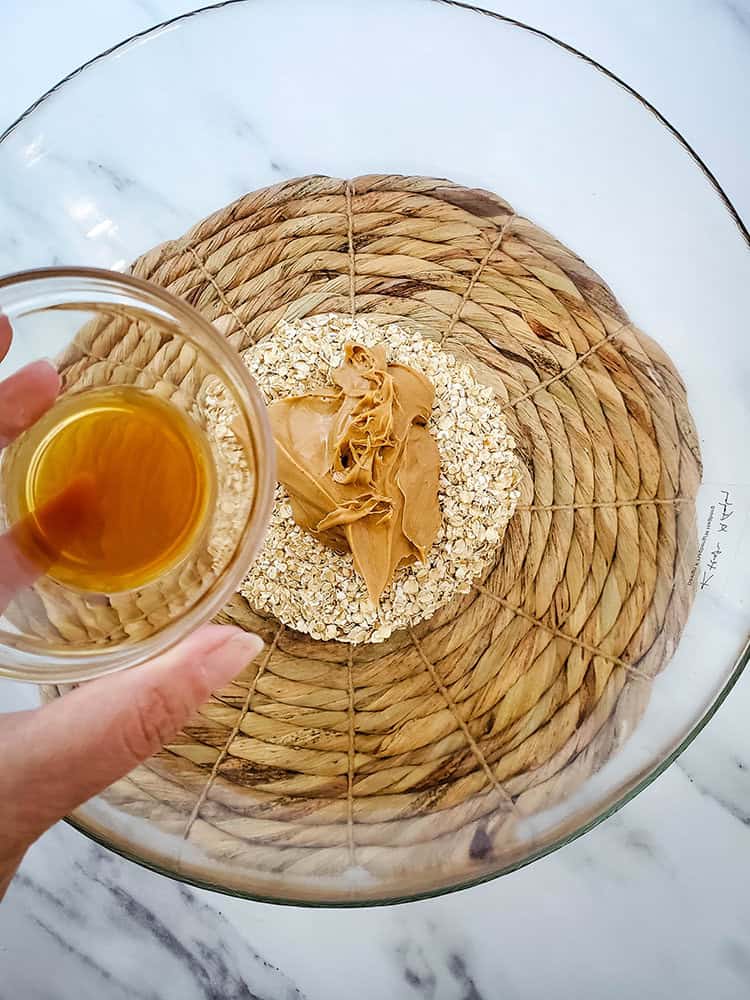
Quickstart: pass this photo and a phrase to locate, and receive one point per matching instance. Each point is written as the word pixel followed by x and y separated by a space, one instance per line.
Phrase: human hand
pixel 56 757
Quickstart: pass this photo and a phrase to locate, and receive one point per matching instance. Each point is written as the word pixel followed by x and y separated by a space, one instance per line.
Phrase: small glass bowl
pixel 102 328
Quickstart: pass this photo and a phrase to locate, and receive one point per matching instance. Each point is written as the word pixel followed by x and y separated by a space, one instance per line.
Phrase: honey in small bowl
pixel 114 485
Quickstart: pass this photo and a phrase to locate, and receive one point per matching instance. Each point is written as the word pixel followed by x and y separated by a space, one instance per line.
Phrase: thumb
pixel 74 747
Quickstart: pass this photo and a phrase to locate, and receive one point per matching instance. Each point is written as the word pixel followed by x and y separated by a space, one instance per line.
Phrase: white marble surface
pixel 654 903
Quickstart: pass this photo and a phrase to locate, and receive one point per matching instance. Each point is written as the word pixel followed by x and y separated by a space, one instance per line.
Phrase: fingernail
pixel 224 662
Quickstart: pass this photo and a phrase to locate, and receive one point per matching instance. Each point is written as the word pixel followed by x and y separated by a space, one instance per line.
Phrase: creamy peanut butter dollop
pixel 359 464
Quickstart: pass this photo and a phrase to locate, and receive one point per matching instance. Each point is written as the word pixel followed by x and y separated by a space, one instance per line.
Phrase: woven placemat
pixel 421 754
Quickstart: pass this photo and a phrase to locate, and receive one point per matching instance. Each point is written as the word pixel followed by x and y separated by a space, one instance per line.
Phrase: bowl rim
pixel 639 784
pixel 44 666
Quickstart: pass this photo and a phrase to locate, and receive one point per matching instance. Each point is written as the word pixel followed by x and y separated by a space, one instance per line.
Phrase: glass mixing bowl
pixel 135 147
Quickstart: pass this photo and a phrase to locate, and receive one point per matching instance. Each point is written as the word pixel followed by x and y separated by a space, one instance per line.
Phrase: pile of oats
pixel 315 590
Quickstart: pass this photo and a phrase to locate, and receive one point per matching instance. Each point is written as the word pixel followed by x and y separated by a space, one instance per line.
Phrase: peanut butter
pixel 360 466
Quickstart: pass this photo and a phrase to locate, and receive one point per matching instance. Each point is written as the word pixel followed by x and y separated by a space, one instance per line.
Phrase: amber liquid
pixel 114 486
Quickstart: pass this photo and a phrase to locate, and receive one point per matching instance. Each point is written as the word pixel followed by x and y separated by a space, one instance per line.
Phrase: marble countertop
pixel 653 903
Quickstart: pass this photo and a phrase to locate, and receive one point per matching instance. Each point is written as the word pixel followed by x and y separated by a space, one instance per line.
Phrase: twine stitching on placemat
pixel 233 734
pixel 595 650
pixel 350 656
pixel 571 368
pixel 495 245
pixel 350 761
pixel 607 504
pixel 351 250
pixel 473 745
pixel 214 284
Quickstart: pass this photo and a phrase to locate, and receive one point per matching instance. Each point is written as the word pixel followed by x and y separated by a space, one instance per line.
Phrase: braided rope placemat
pixel 419 756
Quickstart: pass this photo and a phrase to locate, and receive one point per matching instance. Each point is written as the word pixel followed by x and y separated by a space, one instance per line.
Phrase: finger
pixel 6 336
pixel 76 746
pixel 34 542
pixel 25 396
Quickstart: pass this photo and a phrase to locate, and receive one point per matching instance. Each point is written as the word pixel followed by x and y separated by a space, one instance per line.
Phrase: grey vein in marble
pixel 114 936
